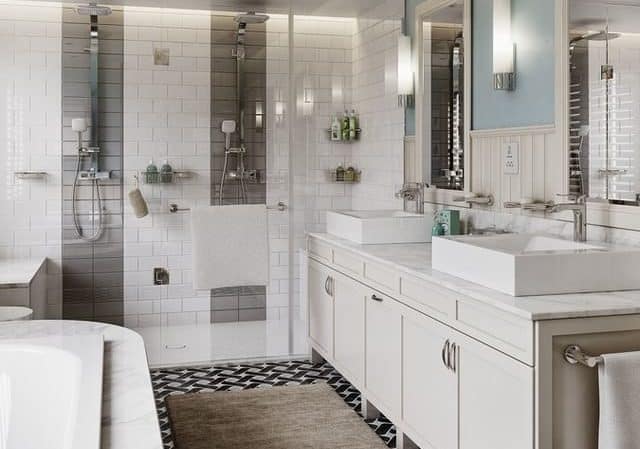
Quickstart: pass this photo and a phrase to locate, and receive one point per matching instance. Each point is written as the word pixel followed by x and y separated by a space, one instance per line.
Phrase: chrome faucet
pixel 579 209
pixel 413 191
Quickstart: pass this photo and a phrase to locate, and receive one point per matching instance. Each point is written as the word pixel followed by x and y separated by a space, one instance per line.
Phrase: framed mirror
pixel 601 95
pixel 443 94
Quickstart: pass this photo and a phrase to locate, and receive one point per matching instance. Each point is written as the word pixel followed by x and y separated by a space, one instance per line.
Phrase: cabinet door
pixel 383 353
pixel 496 399
pixel 430 388
pixel 349 300
pixel 321 307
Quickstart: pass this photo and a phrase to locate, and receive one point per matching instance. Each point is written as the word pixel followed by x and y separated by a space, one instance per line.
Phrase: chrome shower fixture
pixel 251 18
pixel 92 9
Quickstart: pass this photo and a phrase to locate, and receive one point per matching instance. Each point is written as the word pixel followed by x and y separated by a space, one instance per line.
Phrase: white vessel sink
pixel 525 265
pixel 380 226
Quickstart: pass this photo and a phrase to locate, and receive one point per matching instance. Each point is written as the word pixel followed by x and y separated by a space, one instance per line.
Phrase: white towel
pixel 230 247
pixel 619 383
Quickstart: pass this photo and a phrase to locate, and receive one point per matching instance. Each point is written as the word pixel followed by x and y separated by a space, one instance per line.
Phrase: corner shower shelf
pixel 30 175
pixel 355 139
pixel 333 176
pixel 157 178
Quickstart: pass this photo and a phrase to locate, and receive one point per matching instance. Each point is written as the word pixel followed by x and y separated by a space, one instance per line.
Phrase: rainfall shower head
pixel 251 18
pixel 92 9
pixel 596 36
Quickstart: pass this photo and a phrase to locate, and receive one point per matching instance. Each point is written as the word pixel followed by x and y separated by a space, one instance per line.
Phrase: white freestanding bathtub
pixel 51 392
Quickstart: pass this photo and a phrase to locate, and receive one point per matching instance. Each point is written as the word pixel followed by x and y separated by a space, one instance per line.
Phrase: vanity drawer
pixel 429 298
pixel 320 250
pixel 16 297
pixel 505 332
pixel 347 262
pixel 382 277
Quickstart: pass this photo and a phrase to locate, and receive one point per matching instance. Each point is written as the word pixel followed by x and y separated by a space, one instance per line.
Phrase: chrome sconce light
pixel 504 77
pixel 405 72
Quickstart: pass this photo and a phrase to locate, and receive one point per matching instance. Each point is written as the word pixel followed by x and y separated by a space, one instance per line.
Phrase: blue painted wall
pixel 532 103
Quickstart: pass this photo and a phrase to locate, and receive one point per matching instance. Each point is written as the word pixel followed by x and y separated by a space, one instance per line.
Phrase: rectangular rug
pixel 297 417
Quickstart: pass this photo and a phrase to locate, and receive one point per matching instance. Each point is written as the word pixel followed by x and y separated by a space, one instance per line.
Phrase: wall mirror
pixel 443 88
pixel 603 91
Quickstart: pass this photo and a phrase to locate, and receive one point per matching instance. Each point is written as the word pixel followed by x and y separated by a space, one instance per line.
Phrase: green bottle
pixel 151 175
pixel 166 173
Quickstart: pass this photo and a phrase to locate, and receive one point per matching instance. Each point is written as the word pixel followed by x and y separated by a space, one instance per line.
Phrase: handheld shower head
pixel 92 9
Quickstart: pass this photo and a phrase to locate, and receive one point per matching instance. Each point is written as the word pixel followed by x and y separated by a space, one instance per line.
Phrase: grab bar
pixel 574 355
pixel 173 208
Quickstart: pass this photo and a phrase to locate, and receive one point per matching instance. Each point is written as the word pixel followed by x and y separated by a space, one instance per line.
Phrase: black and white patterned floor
pixel 264 375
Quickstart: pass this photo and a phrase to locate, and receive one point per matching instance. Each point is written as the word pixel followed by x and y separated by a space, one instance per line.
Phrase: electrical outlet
pixel 511 158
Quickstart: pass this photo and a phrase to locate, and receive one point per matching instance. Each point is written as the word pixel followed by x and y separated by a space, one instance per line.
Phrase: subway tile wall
pixel 93 271
pixel 380 152
pixel 167 117
pixel 30 123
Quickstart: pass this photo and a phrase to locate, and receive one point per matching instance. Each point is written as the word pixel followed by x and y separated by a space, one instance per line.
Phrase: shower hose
pixel 79 231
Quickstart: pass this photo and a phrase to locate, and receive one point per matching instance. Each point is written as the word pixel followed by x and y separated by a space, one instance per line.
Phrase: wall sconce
pixel 405 72
pixel 504 77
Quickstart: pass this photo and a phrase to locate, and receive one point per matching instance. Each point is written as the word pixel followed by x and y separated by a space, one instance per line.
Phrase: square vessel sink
pixel 525 265
pixel 380 226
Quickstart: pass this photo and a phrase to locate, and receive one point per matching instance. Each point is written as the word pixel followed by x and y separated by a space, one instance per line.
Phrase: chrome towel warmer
pixel 574 355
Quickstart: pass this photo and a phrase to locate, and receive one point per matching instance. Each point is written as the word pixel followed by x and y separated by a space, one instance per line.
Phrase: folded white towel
pixel 230 246
pixel 619 383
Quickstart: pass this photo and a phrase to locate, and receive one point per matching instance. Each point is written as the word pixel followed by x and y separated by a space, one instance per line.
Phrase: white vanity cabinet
pixel 383 356
pixel 430 386
pixel 321 308
pixel 443 388
pixel 349 332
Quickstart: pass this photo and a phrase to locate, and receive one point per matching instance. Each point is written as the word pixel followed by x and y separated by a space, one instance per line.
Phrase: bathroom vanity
pixel 454 364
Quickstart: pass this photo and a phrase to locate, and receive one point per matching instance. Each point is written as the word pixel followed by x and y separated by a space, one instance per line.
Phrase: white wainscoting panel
pixel 541 173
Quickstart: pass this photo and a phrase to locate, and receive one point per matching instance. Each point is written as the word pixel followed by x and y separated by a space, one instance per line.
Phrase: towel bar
pixel 173 208
pixel 574 355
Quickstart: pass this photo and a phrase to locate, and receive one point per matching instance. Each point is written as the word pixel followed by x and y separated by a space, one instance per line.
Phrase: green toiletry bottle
pixel 345 125
pixel 353 125
pixel 340 171
pixel 151 174
pixel 166 173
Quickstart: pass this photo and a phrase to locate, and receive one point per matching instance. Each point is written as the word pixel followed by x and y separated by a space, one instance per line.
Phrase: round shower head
pixel 92 9
pixel 251 18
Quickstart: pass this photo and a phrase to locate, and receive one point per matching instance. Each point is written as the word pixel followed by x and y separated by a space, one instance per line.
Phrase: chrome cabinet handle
pixel 376 298
pixel 332 286
pixel 454 354
pixel 445 354
pixel 326 285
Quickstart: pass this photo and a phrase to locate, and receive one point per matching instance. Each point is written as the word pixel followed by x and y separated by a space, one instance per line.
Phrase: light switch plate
pixel 511 158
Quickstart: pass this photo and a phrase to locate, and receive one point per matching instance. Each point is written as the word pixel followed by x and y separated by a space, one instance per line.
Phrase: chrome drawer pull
pixel 376 298
pixel 445 354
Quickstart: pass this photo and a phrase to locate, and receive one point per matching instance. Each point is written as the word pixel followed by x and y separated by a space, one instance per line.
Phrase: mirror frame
pixel 423 10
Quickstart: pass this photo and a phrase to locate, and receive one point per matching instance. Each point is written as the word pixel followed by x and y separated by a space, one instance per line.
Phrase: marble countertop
pixel 129 418
pixel 415 259
pixel 18 273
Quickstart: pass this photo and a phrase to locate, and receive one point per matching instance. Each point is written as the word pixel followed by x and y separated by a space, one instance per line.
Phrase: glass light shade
pixel 503 54
pixel 405 66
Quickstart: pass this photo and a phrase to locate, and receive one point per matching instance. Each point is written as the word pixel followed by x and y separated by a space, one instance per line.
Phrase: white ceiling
pixel 331 8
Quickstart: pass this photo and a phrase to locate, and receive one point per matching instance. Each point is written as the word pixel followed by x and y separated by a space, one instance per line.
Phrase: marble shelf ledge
pixel 129 418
